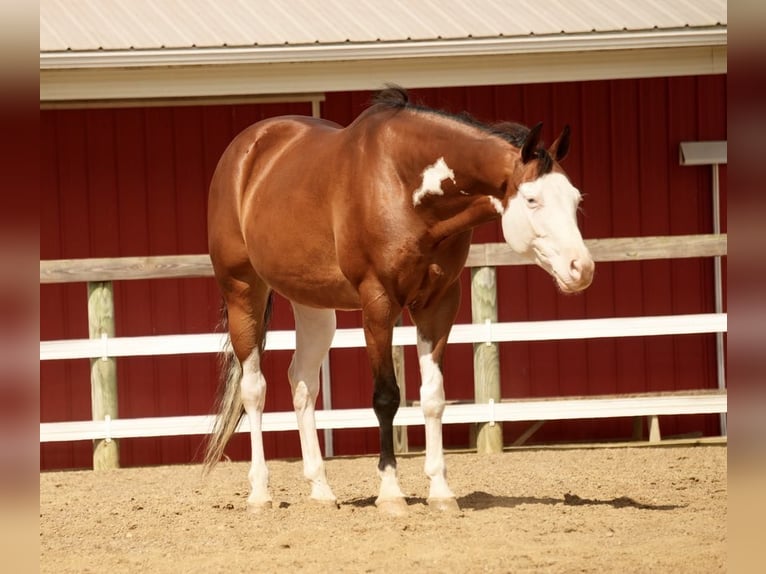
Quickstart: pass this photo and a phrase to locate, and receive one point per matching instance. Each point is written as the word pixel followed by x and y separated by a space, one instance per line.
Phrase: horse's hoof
pixel 256 507
pixel 322 494
pixel 443 505
pixel 392 506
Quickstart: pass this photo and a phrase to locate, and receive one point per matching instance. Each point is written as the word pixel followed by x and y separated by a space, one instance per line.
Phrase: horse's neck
pixel 473 168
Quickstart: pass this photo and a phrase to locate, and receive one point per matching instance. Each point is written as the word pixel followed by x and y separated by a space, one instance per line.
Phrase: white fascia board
pixel 215 80
pixel 384 50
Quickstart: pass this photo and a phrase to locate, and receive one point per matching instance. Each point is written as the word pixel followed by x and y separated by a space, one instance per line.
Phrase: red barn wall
pixel 133 182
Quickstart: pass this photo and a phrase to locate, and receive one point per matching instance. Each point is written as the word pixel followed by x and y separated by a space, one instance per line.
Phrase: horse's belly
pixel 323 294
pixel 296 258
pixel 308 283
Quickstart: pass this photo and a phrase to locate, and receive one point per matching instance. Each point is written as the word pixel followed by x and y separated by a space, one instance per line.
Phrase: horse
pixel 376 216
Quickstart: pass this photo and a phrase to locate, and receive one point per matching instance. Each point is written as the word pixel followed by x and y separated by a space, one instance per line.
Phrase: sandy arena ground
pixel 648 509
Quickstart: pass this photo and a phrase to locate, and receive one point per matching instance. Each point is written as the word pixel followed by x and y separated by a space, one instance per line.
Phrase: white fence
pixel 488 332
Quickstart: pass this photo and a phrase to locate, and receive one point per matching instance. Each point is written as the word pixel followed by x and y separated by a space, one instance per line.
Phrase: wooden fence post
pixel 103 372
pixel 486 362
pixel 401 445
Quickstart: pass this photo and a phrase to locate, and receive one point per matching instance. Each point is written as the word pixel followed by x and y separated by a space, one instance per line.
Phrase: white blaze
pixel 433 176
pixel 540 221
pixel 543 211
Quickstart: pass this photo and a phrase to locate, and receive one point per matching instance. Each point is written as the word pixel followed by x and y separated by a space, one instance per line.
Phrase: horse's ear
pixel 530 143
pixel 560 147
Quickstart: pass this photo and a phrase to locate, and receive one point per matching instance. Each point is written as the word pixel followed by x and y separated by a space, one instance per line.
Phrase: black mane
pixel 396 97
pixel 392 96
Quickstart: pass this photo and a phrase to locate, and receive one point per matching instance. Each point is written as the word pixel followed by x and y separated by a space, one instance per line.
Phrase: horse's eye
pixel 531 202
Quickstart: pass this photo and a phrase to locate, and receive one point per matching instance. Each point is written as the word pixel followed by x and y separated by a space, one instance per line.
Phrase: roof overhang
pixel 247 79
pixel 119 76
pixel 497 46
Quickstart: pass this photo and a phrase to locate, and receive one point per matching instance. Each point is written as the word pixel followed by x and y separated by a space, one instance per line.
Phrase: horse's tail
pixel 229 406
pixel 228 402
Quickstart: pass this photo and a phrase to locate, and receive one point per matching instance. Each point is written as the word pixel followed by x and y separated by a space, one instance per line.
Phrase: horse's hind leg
pixel 314 330
pixel 247 309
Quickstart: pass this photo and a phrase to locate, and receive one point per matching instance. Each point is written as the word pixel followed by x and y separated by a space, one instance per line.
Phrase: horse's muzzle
pixel 579 276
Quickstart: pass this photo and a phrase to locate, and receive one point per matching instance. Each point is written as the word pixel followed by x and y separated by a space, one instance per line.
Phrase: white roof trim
pixel 673 38
pixel 214 80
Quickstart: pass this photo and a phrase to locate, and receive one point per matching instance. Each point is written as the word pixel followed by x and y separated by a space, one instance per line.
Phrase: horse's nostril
pixel 575 269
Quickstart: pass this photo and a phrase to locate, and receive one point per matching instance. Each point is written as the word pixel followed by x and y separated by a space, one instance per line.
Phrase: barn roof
pixel 120 34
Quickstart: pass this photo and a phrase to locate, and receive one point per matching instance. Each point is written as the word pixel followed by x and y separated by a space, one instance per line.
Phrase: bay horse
pixel 376 216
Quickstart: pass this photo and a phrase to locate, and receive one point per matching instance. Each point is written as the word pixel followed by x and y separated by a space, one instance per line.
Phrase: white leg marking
pixel 314 330
pixel 433 176
pixel 253 389
pixel 389 485
pixel 432 402
pixel 391 498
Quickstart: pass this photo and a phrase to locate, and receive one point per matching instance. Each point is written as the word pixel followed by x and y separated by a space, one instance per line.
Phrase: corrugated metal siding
pixel 145 24
pixel 133 182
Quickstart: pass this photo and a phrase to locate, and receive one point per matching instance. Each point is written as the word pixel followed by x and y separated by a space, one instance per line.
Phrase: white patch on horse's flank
pixel 496 203
pixel 433 176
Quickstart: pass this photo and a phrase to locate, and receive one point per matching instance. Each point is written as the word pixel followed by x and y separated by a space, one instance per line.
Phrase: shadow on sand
pixel 483 500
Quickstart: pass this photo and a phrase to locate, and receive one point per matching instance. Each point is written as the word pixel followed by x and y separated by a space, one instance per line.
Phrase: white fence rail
pixel 407 416
pixel 354 338
pixel 523 410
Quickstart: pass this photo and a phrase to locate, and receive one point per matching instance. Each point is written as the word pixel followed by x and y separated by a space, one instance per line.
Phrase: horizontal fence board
pixel 123 268
pixel 354 338
pixel 614 249
pixel 668 247
pixel 523 410
pixel 481 254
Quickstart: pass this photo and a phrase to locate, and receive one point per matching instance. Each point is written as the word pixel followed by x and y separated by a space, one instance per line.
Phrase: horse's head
pixel 540 214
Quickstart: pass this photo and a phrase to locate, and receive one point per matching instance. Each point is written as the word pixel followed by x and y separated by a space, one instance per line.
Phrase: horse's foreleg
pixel 314 331
pixel 432 402
pixel 433 329
pixel 379 316
pixel 385 403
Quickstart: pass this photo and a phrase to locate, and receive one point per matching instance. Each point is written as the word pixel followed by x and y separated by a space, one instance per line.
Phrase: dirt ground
pixel 649 509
